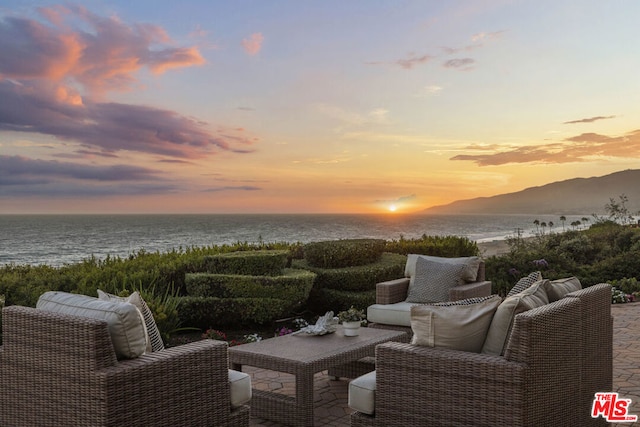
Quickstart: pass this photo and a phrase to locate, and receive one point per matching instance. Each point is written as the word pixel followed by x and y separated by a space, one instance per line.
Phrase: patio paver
pixel 330 396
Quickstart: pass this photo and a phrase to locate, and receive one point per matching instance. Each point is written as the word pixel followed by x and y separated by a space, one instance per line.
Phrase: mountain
pixel 577 196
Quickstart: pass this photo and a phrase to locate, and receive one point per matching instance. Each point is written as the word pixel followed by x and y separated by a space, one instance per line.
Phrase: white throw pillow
pixel 458 325
pixel 433 280
pixel 154 342
pixel 470 273
pixel 500 329
pixel 124 321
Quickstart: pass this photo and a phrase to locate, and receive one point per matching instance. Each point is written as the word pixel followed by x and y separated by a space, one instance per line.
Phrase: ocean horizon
pixel 57 240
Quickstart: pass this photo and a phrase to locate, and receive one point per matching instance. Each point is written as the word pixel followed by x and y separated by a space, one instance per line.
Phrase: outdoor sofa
pixel 59 369
pixel 556 356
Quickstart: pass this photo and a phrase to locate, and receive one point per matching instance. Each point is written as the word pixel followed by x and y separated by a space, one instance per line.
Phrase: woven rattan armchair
pixel 395 291
pixel 61 370
pixel 546 377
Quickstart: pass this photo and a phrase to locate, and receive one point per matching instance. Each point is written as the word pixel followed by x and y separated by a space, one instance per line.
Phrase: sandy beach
pixel 494 247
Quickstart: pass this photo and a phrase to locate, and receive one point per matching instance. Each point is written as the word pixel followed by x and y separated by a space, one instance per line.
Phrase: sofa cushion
pixel 124 320
pixel 525 282
pixel 458 325
pixel 154 341
pixel 362 393
pixel 470 273
pixel 557 289
pixel 240 384
pixel 500 329
pixel 391 314
pixel 433 280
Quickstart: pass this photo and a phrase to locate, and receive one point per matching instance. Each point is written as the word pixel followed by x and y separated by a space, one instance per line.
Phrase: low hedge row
pixel 208 312
pixel 252 263
pixel 292 285
pixel 323 300
pixel 343 253
pixel 357 278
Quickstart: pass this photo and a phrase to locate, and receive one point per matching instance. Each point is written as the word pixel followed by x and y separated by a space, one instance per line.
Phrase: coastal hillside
pixel 577 196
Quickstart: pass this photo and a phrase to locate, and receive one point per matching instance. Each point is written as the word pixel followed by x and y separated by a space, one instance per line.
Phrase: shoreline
pixel 493 247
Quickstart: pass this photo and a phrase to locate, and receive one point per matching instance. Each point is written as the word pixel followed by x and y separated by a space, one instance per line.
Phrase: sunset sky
pixel 309 106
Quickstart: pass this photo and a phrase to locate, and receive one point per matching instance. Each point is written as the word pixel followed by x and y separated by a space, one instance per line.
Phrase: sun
pixel 393 208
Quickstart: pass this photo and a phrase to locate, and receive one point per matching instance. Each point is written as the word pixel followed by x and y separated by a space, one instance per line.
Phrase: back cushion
pixel 500 329
pixel 470 272
pixel 525 282
pixel 433 280
pixel 124 321
pixel 557 289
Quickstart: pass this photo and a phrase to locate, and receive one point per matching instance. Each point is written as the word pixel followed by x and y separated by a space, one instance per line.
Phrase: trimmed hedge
pixel 337 300
pixel 252 263
pixel 208 312
pixel 292 285
pixel 358 278
pixel 343 253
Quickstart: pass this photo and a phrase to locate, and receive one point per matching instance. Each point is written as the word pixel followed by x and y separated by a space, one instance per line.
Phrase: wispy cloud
pixel 482 36
pixel 463 64
pixel 578 148
pixel 589 120
pixel 232 188
pixel 253 44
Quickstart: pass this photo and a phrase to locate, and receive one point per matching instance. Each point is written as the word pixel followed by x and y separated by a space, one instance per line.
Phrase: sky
pixel 333 106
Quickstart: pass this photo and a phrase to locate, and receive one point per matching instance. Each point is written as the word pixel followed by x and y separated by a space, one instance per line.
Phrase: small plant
pixel 352 315
pixel 283 331
pixel 214 334
pixel 620 297
pixel 252 338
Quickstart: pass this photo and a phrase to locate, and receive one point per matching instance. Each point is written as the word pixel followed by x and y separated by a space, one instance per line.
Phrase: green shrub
pixel 444 246
pixel 252 263
pixel 211 312
pixel 358 278
pixel 628 286
pixel 293 285
pixel 324 300
pixel 343 253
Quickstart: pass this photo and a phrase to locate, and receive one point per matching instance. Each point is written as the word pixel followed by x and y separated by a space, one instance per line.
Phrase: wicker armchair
pixel 546 377
pixel 61 370
pixel 395 292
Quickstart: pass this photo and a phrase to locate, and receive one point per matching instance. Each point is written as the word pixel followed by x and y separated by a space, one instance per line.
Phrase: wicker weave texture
pixel 61 370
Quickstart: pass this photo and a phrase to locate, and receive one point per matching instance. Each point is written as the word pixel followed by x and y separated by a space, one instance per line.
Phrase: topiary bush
pixel 252 263
pixel 352 281
pixel 207 312
pixel 343 253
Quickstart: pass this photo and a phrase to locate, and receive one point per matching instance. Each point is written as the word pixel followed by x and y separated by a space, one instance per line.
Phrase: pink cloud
pixel 103 57
pixel 253 43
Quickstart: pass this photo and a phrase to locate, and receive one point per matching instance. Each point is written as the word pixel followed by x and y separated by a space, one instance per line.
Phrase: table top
pixel 287 352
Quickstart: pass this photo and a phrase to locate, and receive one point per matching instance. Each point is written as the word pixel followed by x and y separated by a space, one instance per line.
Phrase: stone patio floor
pixel 331 407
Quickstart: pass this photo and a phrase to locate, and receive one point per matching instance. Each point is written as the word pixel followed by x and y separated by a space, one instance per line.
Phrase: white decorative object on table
pixel 351 329
pixel 325 325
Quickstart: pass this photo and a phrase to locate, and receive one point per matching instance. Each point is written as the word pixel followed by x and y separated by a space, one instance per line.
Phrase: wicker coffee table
pixel 303 355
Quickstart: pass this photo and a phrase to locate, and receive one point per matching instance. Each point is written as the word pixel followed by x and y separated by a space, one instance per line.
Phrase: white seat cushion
pixel 240 388
pixel 362 393
pixel 391 314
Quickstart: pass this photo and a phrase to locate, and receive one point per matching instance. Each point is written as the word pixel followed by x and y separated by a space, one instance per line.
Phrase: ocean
pixel 57 240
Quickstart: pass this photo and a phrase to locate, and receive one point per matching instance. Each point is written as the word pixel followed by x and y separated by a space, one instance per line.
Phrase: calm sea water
pixel 64 239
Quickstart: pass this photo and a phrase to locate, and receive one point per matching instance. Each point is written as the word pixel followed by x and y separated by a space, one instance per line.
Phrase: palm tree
pixel 537 224
pixel 562 220
pixel 543 225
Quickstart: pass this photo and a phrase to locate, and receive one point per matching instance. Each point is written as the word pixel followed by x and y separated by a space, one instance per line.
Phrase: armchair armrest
pixel 188 382
pixel 392 291
pixel 453 387
pixel 470 290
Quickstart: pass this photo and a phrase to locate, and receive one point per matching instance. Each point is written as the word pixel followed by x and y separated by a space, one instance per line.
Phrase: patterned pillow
pixel 458 325
pixel 155 339
pixel 470 273
pixel 525 282
pixel 433 281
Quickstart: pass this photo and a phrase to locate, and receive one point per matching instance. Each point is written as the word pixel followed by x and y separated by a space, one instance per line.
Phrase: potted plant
pixel 351 320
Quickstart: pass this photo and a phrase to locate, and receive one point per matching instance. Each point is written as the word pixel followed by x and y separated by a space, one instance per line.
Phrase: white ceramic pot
pixel 351 329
